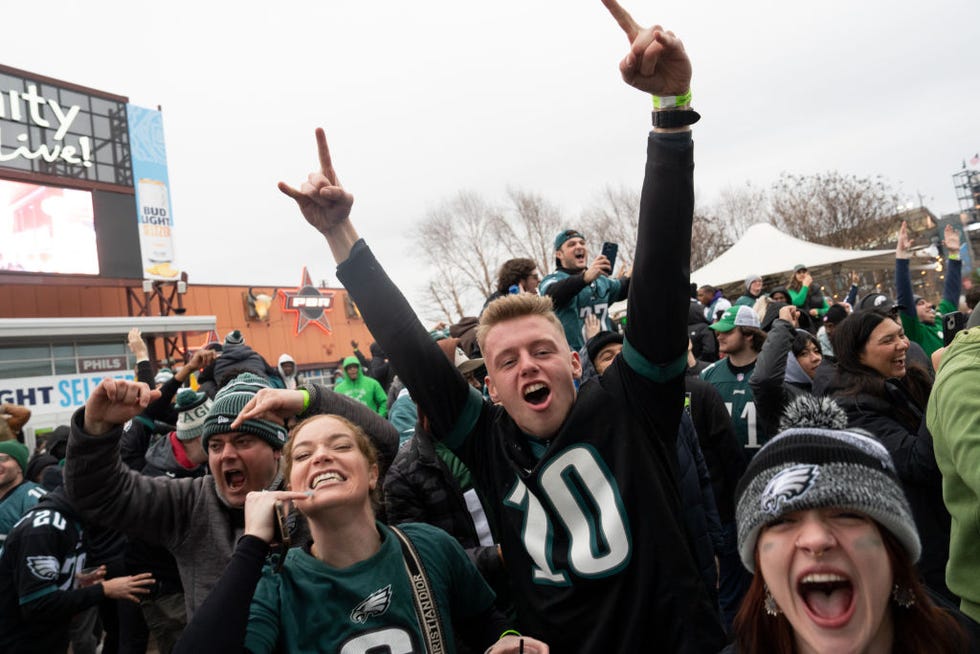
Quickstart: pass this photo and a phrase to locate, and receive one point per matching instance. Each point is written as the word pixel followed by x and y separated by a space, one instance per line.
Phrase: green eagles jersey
pixel 595 298
pixel 367 607
pixel 18 502
pixel 733 386
pixel 930 337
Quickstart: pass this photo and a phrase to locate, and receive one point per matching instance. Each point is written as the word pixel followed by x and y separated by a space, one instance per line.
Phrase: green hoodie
pixel 363 389
pixel 952 419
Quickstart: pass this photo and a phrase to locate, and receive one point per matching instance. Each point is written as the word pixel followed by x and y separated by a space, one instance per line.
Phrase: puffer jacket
pixel 910 444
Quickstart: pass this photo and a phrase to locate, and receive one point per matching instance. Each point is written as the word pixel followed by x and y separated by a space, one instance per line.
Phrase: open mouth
pixel 536 394
pixel 331 476
pixel 234 480
pixel 828 598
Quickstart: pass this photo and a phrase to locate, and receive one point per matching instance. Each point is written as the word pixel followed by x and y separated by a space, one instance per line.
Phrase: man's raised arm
pixel 433 381
pixel 656 328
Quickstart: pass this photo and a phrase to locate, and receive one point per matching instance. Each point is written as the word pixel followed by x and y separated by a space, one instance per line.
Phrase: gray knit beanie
pixel 229 401
pixel 819 464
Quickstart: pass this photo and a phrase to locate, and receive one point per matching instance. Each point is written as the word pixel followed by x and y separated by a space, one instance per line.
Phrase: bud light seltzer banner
pixel 156 223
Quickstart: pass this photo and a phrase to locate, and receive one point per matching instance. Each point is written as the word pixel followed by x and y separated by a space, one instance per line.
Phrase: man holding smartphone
pixel 577 289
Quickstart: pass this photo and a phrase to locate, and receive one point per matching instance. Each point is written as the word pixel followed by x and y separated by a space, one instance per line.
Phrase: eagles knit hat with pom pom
pixel 229 401
pixel 818 463
pixel 234 338
pixel 192 409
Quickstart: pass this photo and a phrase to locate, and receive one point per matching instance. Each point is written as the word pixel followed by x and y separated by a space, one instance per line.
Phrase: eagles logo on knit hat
pixel 817 463
pixel 192 409
pixel 229 402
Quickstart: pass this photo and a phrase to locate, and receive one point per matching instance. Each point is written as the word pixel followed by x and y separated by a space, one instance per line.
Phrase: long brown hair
pixel 923 627
pixel 850 338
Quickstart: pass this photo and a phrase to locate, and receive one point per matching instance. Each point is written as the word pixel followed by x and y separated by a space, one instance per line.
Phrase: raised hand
pixel 903 249
pixel 324 202
pixel 113 402
pixel 790 314
pixel 656 62
pixel 275 404
pixel 951 238
pixel 592 326
pixel 136 345
pixel 600 266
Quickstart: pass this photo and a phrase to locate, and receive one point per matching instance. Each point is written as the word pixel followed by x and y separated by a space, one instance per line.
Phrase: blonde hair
pixel 510 307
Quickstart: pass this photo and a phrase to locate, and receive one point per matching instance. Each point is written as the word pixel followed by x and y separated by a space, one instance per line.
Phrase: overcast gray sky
pixel 423 99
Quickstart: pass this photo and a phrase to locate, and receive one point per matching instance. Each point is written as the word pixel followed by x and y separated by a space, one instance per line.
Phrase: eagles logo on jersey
pixel 45 568
pixel 790 484
pixel 374 604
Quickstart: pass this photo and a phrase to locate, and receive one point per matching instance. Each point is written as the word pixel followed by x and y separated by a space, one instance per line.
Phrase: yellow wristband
pixel 510 632
pixel 672 101
pixel 306 399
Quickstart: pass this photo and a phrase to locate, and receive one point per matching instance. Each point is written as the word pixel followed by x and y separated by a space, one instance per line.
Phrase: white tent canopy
pixel 764 250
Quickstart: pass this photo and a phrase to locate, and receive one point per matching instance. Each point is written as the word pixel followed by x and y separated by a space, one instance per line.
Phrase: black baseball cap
pixel 879 303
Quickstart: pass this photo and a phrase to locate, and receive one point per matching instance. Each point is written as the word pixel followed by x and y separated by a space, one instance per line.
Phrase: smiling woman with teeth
pixel 886 394
pixel 354 567
pixel 824 525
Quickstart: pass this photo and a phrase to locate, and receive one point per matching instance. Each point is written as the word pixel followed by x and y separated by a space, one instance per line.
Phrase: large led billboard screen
pixel 84 187
pixel 47 229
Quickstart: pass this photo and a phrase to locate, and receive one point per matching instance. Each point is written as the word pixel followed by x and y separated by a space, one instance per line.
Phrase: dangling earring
pixel 769 603
pixel 904 597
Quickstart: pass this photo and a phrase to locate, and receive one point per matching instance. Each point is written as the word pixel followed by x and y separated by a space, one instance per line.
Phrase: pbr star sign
pixel 309 304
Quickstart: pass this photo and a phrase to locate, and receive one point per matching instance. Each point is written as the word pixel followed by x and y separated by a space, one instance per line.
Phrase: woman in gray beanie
pixel 825 527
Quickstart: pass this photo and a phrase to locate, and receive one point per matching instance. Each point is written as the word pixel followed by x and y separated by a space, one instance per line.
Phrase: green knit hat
pixel 16 450
pixel 229 402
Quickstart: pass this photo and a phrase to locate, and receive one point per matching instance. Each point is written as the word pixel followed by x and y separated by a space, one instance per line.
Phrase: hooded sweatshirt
pixel 363 389
pixel 288 380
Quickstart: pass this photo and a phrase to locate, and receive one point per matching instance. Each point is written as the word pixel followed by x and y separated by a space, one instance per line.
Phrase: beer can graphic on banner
pixel 156 230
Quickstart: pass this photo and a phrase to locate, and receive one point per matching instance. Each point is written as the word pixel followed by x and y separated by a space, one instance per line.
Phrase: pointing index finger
pixel 326 165
pixel 624 19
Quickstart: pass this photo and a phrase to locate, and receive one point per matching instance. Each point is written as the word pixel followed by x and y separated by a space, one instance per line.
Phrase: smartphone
pixel 609 251
pixel 280 526
pixel 953 323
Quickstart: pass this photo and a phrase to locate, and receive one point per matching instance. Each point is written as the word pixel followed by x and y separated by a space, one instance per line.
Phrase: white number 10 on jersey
pixel 582 494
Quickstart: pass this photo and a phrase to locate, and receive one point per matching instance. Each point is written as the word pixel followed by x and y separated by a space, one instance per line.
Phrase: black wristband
pixel 675 118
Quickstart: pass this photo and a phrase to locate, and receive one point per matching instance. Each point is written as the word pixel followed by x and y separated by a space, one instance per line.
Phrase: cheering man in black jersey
pixel 581 483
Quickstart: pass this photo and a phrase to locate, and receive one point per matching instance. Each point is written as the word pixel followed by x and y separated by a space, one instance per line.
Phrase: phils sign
pixel 309 303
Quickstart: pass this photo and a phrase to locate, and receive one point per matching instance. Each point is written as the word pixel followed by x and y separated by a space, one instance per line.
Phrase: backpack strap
pixel 426 609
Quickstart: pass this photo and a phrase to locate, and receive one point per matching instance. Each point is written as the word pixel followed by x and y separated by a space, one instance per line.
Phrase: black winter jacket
pixel 773 385
pixel 910 444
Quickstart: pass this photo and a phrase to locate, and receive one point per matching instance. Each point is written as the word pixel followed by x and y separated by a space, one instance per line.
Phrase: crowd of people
pixel 775 474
